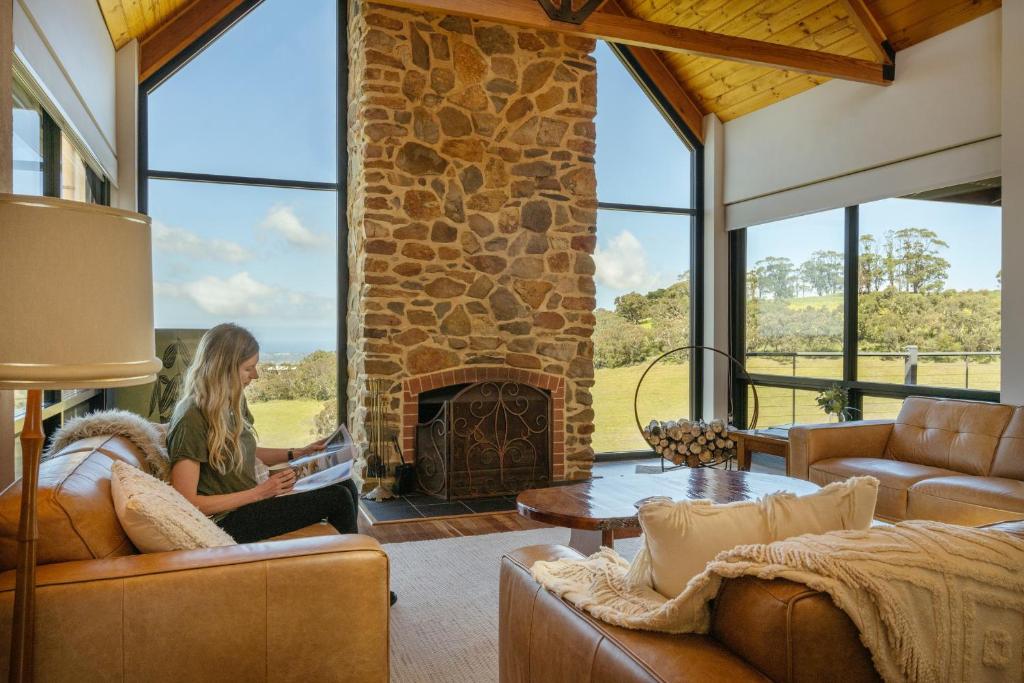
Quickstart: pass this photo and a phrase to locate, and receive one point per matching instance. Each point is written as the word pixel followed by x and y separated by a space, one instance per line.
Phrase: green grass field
pixel 283 424
pixel 665 396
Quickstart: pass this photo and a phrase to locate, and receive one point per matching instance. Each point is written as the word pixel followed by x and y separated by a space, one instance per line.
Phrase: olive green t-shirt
pixel 186 438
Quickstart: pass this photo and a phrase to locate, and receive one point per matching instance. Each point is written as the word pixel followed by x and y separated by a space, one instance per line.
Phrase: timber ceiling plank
pixel 782 87
pixel 117 25
pixel 639 33
pixel 915 23
pixel 864 19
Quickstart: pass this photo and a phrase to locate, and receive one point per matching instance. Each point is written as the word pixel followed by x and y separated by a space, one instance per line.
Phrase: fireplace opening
pixel 483 439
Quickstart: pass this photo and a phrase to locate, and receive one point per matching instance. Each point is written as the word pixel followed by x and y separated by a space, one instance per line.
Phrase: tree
pixel 872 266
pixel 823 272
pixel 920 267
pixel 632 307
pixel 618 342
pixel 776 276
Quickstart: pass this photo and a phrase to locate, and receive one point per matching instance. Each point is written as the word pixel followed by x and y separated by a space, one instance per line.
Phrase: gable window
pixel 647 167
pixel 240 175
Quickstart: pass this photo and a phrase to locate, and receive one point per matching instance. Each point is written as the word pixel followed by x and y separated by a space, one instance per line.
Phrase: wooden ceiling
pixel 822 38
pixel 731 89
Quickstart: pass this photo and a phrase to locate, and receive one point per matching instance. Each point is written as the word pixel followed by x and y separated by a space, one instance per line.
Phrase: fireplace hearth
pixel 483 439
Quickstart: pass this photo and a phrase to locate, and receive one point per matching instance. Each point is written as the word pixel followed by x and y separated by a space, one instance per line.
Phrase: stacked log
pixel 691 442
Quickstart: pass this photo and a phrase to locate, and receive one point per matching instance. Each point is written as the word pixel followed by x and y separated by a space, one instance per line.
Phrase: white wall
pixel 66 45
pixel 1013 202
pixel 946 94
pixel 126 194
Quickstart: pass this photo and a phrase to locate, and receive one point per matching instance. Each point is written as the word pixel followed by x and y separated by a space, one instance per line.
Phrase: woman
pixel 213 451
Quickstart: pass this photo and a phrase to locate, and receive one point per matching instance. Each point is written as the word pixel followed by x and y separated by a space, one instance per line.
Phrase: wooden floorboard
pixel 427 530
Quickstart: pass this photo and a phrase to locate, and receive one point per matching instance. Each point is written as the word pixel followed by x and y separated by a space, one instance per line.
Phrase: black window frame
pixel 855 388
pixel 339 186
pixel 696 238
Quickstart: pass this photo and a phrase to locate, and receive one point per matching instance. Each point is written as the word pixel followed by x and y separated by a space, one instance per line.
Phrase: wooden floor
pixel 426 530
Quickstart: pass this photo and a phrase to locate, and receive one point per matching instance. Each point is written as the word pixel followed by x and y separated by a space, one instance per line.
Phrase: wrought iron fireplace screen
pixel 487 439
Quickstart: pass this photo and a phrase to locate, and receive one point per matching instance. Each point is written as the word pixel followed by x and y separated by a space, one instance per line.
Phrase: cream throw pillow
pixel 680 538
pixel 156 517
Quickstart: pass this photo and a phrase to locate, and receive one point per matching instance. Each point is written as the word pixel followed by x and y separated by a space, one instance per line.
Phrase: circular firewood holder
pixel 735 366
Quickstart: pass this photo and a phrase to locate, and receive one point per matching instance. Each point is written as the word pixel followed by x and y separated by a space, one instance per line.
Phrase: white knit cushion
pixel 848 504
pixel 680 538
pixel 156 517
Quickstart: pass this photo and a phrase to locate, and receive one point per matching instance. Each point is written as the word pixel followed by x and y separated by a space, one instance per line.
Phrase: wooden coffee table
pixel 594 509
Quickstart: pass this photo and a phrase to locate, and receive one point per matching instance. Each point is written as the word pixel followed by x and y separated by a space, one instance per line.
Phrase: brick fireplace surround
pixel 472 216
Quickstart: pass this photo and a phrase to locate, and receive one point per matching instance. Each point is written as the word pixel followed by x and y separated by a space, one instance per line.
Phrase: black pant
pixel 338 504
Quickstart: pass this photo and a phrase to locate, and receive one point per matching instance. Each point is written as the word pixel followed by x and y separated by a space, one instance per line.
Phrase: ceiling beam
pixel 639 33
pixel 653 64
pixel 176 34
pixel 874 35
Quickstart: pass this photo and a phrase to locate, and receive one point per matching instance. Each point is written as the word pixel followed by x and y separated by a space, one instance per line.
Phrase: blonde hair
pixel 214 384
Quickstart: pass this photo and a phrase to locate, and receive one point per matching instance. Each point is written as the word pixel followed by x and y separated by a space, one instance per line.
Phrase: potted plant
pixel 835 401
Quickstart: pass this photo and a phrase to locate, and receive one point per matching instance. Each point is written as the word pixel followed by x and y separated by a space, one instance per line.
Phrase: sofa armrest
pixel 810 443
pixel 302 609
pixel 543 639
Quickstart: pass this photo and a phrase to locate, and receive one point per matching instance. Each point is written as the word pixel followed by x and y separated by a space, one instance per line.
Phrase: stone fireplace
pixel 472 218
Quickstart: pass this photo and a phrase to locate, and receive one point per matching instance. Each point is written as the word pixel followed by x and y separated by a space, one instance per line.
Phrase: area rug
pixel 445 625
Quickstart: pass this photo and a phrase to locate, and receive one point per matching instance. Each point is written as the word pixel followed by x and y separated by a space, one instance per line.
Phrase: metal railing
pixel 911 360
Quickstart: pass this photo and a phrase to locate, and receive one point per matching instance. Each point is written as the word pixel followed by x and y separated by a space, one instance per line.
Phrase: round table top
pixel 608 502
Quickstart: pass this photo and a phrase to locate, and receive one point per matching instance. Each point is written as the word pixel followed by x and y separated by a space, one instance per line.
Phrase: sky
pixel 972 233
pixel 261 101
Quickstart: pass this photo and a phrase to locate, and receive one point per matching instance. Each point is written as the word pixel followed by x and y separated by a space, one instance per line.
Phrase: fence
pixel 976 370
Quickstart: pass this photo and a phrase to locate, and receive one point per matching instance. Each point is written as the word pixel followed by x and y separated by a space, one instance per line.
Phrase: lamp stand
pixel 23 632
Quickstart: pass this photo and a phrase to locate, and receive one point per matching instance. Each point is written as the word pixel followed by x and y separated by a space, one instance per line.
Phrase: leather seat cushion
pixel 319 529
pixel 970 501
pixel 895 478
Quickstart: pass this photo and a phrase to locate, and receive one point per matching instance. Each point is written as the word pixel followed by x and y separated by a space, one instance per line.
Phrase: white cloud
pixel 180 241
pixel 283 221
pixel 241 295
pixel 623 265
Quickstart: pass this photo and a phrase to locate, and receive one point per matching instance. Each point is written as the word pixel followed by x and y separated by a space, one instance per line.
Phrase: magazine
pixel 331 465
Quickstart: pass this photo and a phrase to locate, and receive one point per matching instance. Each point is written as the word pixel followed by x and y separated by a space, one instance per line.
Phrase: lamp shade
pixel 76 295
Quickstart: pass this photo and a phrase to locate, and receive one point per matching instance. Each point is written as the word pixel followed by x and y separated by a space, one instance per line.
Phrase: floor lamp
pixel 76 312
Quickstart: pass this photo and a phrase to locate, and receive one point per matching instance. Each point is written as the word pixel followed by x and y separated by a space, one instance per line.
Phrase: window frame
pixel 856 389
pixel 696 238
pixel 339 187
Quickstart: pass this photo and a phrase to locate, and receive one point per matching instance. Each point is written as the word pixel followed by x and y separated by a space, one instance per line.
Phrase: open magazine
pixel 323 468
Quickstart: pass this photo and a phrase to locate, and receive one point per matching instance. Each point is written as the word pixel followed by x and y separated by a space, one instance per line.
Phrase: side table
pixel 761 442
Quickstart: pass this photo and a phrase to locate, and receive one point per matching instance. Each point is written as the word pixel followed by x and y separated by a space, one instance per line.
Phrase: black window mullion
pixel 738 322
pixel 851 300
pixel 51 155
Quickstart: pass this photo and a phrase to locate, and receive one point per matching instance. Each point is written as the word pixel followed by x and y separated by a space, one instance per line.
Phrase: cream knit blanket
pixel 932 601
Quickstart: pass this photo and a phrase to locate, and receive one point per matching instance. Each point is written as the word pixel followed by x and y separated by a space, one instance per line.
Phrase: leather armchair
pixel 309 607
pixel 960 462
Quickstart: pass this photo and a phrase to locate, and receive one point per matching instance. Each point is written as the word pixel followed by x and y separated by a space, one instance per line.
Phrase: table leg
pixel 588 542
pixel 742 456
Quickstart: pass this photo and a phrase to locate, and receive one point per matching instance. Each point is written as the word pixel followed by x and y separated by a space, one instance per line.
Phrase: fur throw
pixel 932 602
pixel 148 437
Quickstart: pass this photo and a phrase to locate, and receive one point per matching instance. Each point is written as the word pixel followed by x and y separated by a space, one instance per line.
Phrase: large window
pixel 241 180
pixel 884 300
pixel 646 168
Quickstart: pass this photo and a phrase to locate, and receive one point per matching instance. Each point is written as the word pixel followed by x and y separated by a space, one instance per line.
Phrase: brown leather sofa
pixel 312 606
pixel 960 462
pixel 761 630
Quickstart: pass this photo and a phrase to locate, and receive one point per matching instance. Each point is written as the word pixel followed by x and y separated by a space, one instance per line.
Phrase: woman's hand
pixel 276 484
pixel 314 447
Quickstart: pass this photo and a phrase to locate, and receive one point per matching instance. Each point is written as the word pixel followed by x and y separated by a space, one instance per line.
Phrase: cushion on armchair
pixel 156 517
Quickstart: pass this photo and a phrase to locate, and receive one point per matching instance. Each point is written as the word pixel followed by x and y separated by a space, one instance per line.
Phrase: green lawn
pixel 665 396
pixel 283 424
